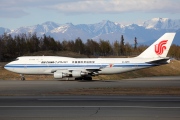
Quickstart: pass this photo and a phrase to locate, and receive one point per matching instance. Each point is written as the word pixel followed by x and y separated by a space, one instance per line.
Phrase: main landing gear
pixel 88 78
pixel 22 77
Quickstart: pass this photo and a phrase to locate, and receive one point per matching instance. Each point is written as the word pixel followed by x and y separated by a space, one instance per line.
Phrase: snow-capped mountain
pixel 148 31
pixel 4 30
pixel 162 23
pixel 39 29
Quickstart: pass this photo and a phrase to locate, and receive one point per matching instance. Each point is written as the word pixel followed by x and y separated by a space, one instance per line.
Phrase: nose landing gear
pixel 22 77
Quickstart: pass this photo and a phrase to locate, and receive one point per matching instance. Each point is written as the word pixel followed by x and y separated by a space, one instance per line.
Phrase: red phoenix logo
pixel 159 48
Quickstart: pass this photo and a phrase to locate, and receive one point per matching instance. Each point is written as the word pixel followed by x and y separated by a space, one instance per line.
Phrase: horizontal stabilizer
pixel 160 61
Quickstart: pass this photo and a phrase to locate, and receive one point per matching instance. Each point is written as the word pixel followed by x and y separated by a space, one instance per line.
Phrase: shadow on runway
pixel 95 81
pixel 88 80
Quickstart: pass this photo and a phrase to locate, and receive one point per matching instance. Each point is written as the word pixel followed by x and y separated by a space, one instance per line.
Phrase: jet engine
pixel 59 75
pixel 78 73
pixel 75 74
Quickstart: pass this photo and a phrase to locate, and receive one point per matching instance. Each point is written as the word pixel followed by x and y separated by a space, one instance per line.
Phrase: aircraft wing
pixel 89 69
pixel 93 69
pixel 86 69
pixel 160 61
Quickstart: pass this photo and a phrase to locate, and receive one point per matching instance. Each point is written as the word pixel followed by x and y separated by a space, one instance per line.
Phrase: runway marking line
pixel 149 107
pixel 106 100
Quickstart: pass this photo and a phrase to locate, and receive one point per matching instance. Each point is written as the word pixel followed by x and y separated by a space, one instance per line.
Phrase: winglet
pixel 159 48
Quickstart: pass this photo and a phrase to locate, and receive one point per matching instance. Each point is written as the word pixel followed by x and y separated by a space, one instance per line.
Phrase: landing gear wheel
pixel 87 78
pixel 80 78
pixel 22 77
pixel 84 78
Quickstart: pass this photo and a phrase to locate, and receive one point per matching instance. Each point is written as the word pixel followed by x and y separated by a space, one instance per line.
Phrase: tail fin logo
pixel 159 48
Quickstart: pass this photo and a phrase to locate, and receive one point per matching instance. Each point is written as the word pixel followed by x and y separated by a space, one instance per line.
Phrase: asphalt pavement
pixel 90 107
pixel 41 87
pixel 31 100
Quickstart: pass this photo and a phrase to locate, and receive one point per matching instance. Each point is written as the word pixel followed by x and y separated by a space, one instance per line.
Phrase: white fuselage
pixel 50 64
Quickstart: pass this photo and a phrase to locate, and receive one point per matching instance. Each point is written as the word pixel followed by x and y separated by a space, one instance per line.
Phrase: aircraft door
pixel 47 64
pixel 25 66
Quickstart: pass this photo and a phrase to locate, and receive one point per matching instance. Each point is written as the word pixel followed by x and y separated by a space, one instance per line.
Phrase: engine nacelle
pixel 75 73
pixel 59 75
pixel 78 73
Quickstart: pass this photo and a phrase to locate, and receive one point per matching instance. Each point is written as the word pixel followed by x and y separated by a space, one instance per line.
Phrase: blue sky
pixel 17 13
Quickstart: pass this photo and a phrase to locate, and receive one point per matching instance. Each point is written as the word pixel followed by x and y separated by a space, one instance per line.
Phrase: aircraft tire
pixel 23 79
pixel 87 78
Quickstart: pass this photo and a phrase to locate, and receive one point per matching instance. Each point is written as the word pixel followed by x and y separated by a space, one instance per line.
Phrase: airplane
pixel 85 68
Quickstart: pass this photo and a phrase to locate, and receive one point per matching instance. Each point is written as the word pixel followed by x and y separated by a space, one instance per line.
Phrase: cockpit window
pixel 16 59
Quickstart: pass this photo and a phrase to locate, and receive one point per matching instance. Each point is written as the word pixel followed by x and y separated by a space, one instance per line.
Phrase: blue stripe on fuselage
pixel 72 65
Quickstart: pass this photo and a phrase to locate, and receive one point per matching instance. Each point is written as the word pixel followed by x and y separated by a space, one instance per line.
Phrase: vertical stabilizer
pixel 159 48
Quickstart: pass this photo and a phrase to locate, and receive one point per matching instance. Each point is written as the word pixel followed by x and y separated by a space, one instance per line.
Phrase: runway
pixel 33 100
pixel 42 88
pixel 90 107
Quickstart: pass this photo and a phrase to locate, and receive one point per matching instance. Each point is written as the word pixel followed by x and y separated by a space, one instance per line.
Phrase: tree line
pixel 19 45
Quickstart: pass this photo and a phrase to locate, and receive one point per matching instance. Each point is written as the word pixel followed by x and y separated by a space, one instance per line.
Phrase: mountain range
pixel 146 33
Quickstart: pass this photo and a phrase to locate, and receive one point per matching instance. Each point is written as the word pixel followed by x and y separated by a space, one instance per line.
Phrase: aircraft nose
pixel 7 67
